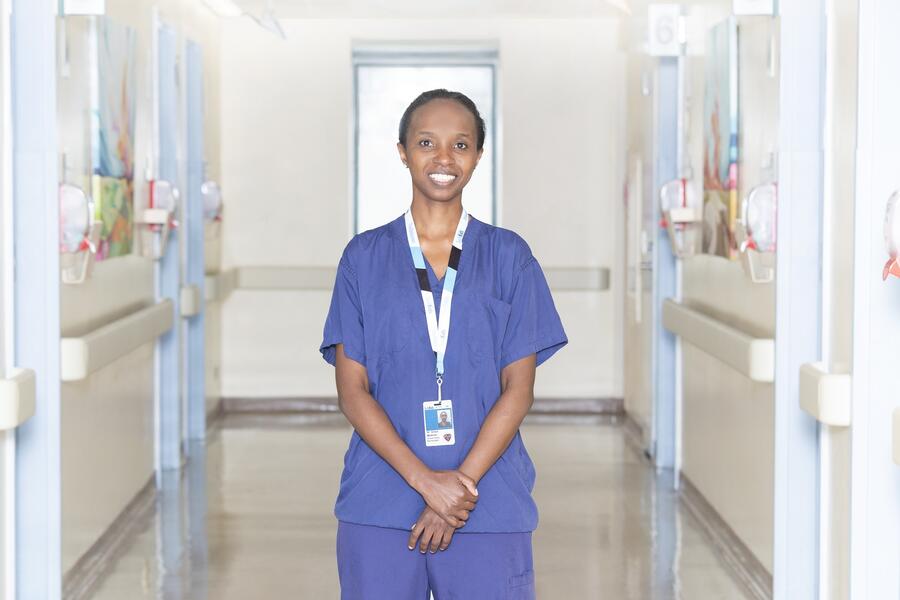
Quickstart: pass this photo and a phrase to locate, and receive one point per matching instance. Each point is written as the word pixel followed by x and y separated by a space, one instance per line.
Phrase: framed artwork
pixel 114 208
pixel 113 93
pixel 720 148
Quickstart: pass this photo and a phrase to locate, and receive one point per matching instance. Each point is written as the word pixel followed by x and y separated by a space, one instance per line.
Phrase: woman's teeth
pixel 442 177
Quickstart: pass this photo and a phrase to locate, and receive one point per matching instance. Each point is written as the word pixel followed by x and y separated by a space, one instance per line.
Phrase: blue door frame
pixel 168 269
pixel 195 264
pixel 36 297
pixel 668 105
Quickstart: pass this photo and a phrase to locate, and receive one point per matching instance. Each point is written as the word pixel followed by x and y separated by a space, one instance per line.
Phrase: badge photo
pixel 439 429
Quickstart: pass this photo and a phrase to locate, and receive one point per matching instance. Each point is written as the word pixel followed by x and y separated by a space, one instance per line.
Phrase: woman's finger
pixel 469 484
pixel 414 535
pixel 452 521
pixel 462 515
pixel 470 506
pixel 436 539
pixel 445 539
pixel 426 540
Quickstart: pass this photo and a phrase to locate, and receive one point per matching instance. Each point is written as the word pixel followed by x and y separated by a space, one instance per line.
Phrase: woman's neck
pixel 436 220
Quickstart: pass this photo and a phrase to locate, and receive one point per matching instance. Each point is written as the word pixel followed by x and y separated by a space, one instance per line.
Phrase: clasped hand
pixel 450 496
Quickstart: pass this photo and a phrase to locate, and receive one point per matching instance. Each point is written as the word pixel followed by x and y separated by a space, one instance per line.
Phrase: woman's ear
pixel 402 152
pixel 478 157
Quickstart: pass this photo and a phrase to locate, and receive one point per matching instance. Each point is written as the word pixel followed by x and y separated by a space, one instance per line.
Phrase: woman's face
pixel 441 149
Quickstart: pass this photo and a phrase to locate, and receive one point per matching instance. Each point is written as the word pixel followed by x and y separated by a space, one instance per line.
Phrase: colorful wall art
pixel 113 108
pixel 720 163
pixel 113 198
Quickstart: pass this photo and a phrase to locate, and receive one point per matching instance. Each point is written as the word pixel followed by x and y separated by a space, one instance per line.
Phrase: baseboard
pixel 215 414
pixel 88 571
pixel 578 406
pixel 544 406
pixel 634 432
pixel 286 405
pixel 751 573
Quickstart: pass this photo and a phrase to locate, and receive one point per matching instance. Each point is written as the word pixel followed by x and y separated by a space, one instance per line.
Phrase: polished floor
pixel 252 519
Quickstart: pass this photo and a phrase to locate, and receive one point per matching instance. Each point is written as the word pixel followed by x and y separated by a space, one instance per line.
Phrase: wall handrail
pixel 81 356
pixel 752 356
pixel 17 398
pixel 824 395
pixel 190 304
pixel 311 278
pixel 218 286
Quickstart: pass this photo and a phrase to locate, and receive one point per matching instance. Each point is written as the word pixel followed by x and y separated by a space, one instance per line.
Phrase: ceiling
pixel 413 9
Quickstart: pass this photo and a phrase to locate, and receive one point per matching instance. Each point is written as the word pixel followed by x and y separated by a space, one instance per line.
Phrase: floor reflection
pixel 251 518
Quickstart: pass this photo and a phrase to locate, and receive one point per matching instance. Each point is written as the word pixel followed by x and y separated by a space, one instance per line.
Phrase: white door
pixel 875 487
pixel 7 470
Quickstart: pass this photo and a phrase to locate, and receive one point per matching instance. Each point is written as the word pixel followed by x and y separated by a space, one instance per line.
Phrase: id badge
pixel 439 430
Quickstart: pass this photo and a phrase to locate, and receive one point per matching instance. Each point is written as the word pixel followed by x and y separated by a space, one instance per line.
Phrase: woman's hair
pixel 442 94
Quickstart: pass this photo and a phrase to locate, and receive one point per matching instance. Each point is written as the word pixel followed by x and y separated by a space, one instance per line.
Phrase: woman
pixel 436 404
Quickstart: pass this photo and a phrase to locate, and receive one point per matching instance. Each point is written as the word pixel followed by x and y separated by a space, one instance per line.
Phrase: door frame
pixel 798 296
pixel 875 480
pixel 167 271
pixel 36 297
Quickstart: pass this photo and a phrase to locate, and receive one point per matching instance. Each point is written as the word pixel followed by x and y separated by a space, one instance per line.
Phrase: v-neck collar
pixel 398 231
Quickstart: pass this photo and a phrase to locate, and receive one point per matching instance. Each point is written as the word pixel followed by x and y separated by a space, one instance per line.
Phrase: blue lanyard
pixel 438 329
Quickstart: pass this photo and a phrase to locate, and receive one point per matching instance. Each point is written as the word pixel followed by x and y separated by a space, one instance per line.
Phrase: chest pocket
pixel 487 320
pixel 389 323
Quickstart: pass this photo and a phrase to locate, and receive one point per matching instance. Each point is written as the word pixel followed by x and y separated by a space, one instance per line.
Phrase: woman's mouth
pixel 442 178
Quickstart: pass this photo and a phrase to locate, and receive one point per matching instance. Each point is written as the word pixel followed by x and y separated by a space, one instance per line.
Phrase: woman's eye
pixel 426 143
pixel 461 145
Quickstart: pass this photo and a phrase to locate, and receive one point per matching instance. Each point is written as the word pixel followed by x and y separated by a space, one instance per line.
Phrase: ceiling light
pixel 224 8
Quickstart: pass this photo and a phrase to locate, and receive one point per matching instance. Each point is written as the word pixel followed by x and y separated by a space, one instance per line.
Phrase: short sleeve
pixel 344 323
pixel 534 326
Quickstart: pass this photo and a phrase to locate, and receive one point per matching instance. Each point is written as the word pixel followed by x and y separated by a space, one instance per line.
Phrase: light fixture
pixel 224 8
pixel 269 21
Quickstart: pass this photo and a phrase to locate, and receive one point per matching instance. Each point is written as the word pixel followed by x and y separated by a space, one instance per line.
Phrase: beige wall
pixel 107 429
pixel 638 328
pixel 286 163
pixel 728 420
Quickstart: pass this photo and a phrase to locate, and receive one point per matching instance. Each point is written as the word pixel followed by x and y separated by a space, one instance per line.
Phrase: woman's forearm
pixel 372 424
pixel 504 419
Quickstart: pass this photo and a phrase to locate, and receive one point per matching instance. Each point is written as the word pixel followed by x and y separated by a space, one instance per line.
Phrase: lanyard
pixel 438 330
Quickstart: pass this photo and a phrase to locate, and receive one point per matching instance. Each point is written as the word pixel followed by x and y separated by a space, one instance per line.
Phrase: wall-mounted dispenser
pixel 756 231
pixel 158 220
pixel 892 236
pixel 682 217
pixel 79 234
pixel 212 201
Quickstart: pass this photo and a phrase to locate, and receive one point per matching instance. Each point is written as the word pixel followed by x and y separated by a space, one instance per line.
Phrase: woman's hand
pixel 450 494
pixel 432 531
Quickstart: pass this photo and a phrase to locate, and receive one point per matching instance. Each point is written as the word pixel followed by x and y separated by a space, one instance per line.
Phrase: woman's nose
pixel 443 156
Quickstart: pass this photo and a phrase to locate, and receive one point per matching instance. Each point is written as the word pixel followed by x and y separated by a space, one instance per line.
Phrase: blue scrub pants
pixel 374 563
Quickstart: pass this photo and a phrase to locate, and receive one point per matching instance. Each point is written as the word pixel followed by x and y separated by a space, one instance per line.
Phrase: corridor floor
pixel 259 523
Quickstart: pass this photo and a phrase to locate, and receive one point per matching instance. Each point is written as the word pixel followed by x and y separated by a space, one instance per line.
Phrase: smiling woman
pixel 460 463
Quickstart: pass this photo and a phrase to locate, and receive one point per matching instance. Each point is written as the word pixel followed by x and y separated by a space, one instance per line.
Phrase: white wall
pixel 286 117
pixel 107 429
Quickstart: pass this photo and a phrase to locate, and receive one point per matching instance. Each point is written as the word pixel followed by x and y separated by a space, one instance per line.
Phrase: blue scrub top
pixel 502 311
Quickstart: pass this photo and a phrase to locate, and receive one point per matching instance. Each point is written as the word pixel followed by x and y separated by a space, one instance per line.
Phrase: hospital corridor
pixel 232 232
